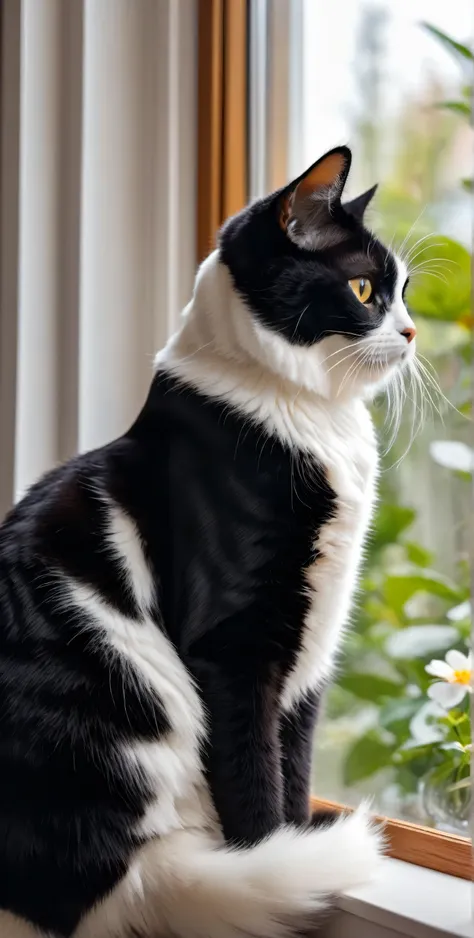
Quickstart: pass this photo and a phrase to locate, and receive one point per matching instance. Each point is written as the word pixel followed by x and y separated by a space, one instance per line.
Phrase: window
pixel 382 77
pixel 394 81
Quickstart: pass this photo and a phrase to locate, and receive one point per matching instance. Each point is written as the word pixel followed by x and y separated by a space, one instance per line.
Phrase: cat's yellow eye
pixel 362 288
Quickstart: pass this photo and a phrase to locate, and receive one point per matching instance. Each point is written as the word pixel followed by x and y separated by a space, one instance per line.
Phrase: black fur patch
pixel 296 731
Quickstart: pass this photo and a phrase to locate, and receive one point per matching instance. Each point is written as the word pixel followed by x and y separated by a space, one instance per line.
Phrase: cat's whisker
pixel 429 273
pixel 420 240
pixel 355 367
pixel 412 257
pixel 406 385
pixel 438 265
pixel 303 311
pixel 393 411
pixel 429 388
pixel 197 350
pixel 433 269
pixel 432 261
pixel 433 380
pixel 417 408
pixel 400 395
pixel 407 236
pixel 428 391
pixel 353 351
pixel 345 349
pixel 418 412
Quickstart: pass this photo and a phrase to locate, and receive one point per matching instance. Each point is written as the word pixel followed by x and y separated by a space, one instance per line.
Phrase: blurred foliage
pixel 465 57
pixel 458 49
pixel 408 611
pixel 444 292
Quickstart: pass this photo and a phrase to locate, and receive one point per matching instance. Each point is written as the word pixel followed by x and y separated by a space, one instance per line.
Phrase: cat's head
pixel 322 298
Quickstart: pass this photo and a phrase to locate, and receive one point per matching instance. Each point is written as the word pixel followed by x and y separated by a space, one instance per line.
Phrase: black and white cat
pixel 171 604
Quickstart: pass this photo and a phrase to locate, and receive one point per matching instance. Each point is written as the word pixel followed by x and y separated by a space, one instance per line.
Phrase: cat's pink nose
pixel 409 333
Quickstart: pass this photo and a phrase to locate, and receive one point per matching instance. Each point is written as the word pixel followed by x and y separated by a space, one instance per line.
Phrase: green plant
pixel 465 58
pixel 408 613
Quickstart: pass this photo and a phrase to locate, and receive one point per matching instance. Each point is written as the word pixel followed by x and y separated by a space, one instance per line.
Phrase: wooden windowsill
pixel 423 846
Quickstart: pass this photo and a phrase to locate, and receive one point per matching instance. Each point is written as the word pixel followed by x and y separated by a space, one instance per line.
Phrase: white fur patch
pixel 172 764
pixel 124 541
pixel 346 448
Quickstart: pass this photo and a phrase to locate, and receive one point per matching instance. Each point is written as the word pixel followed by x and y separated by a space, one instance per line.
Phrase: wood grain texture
pixel 222 116
pixel 423 846
pixel 234 138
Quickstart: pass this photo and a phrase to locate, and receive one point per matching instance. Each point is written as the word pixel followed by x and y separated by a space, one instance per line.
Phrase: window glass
pixel 394 80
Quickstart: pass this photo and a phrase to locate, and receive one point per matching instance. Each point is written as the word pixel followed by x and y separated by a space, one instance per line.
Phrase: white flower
pixel 458 747
pixel 458 613
pixel 456 679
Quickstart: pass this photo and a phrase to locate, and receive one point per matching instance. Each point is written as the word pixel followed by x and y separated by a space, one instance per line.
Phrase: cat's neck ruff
pixel 222 350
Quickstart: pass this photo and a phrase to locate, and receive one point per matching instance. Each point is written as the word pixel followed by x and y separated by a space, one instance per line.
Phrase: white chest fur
pixel 340 436
pixel 344 443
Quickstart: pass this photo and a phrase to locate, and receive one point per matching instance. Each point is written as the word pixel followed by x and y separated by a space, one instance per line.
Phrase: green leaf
pixel 418 641
pixel 368 755
pixel 390 522
pixel 370 686
pixel 398 590
pixel 447 297
pixel 468 185
pixel 458 107
pixel 412 751
pixel 418 554
pixel 451 44
pixel 407 780
pixel 339 702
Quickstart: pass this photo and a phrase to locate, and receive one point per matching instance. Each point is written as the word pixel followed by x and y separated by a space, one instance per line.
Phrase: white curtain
pixel 97 252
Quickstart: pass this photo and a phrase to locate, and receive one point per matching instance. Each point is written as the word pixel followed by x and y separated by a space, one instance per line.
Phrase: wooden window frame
pixel 424 846
pixel 222 190
pixel 222 123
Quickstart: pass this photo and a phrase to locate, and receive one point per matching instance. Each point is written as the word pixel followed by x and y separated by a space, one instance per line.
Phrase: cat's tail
pixel 186 887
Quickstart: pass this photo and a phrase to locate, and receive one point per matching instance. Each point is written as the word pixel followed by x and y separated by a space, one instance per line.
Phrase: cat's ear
pixel 356 207
pixel 306 205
